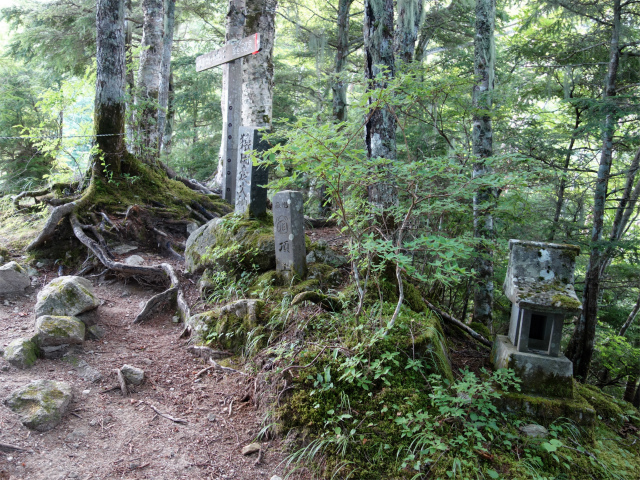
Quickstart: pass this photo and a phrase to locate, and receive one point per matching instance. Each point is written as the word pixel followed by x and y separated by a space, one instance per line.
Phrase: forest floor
pixel 105 435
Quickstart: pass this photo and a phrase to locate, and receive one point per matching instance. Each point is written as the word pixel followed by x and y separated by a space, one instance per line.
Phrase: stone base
pixel 547 410
pixel 540 374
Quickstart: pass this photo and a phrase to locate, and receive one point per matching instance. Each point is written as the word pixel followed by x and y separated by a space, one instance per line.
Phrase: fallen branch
pixel 217 366
pixel 168 417
pixel 5 447
pixel 459 324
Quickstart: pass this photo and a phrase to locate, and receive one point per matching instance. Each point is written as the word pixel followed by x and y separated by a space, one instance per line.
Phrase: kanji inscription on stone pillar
pixel 251 195
pixel 288 227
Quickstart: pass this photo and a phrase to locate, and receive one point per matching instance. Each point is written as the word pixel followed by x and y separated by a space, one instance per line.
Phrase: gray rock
pixel 275 477
pixel 40 404
pixel 75 436
pixel 251 448
pixel 123 249
pixel 134 376
pixel 13 278
pixel 66 296
pixel 134 261
pixel 192 227
pixel 322 253
pixel 96 332
pixel 534 431
pixel 52 331
pixel 211 417
pixel 57 351
pixel 198 243
pixel 21 353
pixel 88 373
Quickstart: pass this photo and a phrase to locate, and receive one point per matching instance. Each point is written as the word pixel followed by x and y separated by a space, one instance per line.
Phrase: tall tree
pixel 410 18
pixel 257 70
pixel 482 137
pixel 148 87
pixel 380 129
pixel 580 348
pixel 165 67
pixel 339 86
pixel 110 108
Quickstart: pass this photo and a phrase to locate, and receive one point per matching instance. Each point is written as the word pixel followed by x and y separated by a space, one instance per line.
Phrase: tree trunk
pixel 165 67
pixel 234 31
pixel 380 130
pixel 257 70
pixel 482 136
pixel 167 138
pixel 339 87
pixel 632 316
pixel 580 348
pixel 410 17
pixel 130 78
pixel 149 78
pixel 563 181
pixel 110 109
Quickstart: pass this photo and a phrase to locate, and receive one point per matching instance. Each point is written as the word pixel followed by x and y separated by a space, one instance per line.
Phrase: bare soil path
pixel 107 436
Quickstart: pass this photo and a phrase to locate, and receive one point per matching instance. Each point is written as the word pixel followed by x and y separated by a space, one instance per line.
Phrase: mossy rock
pixel 66 296
pixel 482 329
pixel 233 243
pixel 40 404
pixel 21 353
pixel 13 278
pixel 430 345
pixel 611 410
pixel 229 326
pixel 52 331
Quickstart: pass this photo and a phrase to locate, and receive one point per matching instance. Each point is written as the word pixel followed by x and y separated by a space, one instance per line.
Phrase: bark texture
pixel 339 86
pixel 380 129
pixel 410 18
pixel 130 78
pixel 165 67
pixel 149 77
pixel 482 136
pixel 110 106
pixel 580 348
pixel 257 70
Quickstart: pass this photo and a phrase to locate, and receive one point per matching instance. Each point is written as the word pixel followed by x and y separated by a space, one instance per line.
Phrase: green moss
pixel 482 329
pixel 609 409
pixel 565 301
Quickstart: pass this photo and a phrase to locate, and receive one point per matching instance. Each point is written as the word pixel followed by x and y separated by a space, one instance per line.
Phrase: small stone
pixel 251 448
pixel 40 404
pixel 21 353
pixel 192 227
pixel 96 332
pixel 89 373
pixel 86 392
pixel 134 375
pixel 134 261
pixel 276 477
pixel 4 368
pixel 176 319
pixel 534 431
pixel 13 278
pixel 211 417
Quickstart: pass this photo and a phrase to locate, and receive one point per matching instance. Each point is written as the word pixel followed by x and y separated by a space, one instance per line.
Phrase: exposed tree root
pixel 48 231
pixel 42 192
pixel 172 295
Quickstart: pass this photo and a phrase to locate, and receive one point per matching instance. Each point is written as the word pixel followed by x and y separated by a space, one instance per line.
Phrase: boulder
pixel 134 375
pixel 66 296
pixel 534 431
pixel 21 353
pixel 229 325
pixel 232 244
pixel 52 331
pixel 40 404
pixel 322 253
pixel 13 278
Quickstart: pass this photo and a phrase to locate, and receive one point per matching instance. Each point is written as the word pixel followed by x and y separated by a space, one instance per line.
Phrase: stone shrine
pixel 288 227
pixel 251 194
pixel 539 283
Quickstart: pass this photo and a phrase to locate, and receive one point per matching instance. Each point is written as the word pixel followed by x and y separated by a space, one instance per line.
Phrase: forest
pixel 433 143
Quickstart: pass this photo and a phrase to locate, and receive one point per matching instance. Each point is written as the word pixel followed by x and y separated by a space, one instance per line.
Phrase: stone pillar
pixel 288 226
pixel 251 195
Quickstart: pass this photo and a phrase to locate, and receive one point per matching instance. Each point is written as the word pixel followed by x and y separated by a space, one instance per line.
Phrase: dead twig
pixel 168 417
pixel 5 447
pixel 217 366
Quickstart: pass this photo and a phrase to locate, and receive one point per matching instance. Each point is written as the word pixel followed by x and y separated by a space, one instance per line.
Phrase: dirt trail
pixel 106 436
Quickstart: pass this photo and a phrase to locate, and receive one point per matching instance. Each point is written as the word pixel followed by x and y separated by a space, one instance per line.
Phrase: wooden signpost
pixel 230 57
